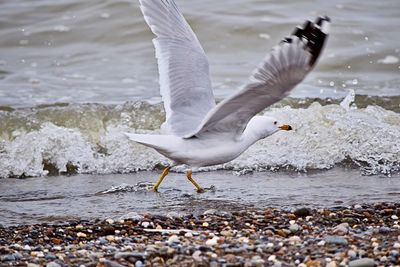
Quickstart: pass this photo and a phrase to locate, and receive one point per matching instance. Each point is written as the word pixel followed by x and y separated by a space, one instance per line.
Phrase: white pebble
pixel 272 258
pixel 395 217
pixel 321 243
pixel 188 234
pixel 213 241
pixel 145 224
pixel 173 239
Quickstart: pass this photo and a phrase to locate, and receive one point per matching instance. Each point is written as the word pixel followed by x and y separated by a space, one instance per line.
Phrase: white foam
pixel 388 60
pixel 323 137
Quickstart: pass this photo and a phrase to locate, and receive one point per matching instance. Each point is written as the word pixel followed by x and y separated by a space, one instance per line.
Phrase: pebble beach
pixel 356 236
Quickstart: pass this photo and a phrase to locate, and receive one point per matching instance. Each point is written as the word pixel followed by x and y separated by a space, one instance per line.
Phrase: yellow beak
pixel 285 127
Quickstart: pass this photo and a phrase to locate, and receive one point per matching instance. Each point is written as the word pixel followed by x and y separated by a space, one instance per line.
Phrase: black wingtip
pixel 315 34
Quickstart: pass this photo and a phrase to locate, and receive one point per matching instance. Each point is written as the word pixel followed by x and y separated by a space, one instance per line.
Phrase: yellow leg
pixel 189 176
pixel 164 173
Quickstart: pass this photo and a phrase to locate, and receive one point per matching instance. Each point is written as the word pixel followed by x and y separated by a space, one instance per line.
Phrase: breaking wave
pixel 88 138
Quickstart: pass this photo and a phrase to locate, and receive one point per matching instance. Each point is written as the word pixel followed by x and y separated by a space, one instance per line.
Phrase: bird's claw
pixel 201 190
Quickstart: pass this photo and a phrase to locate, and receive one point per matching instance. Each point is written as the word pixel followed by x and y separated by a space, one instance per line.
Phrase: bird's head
pixel 263 126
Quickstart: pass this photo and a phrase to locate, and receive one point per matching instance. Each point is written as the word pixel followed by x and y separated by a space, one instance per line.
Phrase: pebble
pixel 196 255
pixel 341 229
pixel 336 240
pixel 173 239
pixel 364 262
pixel 294 228
pixel 10 257
pixel 145 224
pixel 188 235
pixel 302 212
pixel 53 264
pixel 80 234
pixel 253 237
pixel 213 241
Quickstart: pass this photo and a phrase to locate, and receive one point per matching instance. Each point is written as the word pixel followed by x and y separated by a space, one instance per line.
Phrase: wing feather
pixel 185 84
pixel 284 68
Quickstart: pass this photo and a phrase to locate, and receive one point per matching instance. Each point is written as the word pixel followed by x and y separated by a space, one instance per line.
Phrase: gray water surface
pixel 55 199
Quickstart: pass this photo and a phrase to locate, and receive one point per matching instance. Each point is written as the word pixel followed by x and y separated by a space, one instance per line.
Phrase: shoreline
pixel 359 235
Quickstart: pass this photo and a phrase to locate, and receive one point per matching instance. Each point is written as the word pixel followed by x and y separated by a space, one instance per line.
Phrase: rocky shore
pixel 356 236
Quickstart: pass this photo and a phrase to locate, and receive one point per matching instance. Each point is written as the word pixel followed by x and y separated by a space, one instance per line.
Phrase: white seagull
pixel 199 131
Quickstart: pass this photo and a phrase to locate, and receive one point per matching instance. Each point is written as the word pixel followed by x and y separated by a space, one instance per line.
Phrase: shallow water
pixel 52 199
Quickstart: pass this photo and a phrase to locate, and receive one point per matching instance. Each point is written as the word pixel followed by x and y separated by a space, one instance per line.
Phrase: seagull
pixel 199 132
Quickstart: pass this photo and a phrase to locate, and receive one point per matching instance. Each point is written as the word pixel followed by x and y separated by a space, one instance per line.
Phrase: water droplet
pixel 104 15
pixel 366 38
pixel 355 81
pixel 332 83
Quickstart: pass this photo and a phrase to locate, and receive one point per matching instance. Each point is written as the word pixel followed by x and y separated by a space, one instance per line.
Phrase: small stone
pixel 110 221
pixel 341 229
pixel 50 257
pixel 302 212
pixel 321 243
pixel 352 254
pixel 110 238
pixel 294 228
pixel 127 255
pixel 173 239
pixel 336 240
pixel 145 224
pixel 396 245
pixel 80 234
pixel 294 239
pixel 394 217
pixel 139 264
pixel 53 264
pixel 331 264
pixel 364 262
pixel 313 263
pixel 196 255
pixel 10 257
pixel 212 242
pixel 58 248
pixel 272 258
pixel 188 235
pixel 205 224
pixel 227 233
pixel 357 207
pixel 33 265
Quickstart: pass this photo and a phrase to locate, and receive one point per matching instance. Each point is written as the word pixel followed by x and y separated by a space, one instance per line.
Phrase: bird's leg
pixel 164 173
pixel 189 176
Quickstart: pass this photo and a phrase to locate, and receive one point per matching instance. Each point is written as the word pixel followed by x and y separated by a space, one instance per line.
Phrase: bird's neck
pixel 249 136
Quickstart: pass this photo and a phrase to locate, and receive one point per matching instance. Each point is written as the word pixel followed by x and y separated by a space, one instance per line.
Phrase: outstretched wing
pixel 183 67
pixel 278 74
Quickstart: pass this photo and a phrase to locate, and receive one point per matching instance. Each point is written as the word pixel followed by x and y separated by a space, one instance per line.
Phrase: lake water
pixel 75 75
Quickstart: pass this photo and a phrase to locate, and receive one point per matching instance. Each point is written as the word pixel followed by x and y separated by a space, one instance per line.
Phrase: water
pixel 57 199
pixel 75 75
pixel 101 51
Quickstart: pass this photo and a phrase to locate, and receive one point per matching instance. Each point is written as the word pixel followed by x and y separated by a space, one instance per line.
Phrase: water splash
pixel 69 139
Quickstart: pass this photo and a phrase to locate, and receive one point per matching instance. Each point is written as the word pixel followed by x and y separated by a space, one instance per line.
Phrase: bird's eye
pixel 275 122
